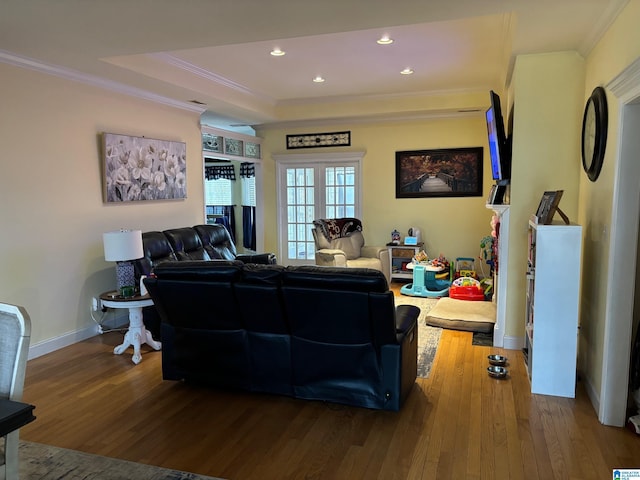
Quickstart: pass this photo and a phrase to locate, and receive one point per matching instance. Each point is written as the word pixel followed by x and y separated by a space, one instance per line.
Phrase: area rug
pixel 44 462
pixel 428 336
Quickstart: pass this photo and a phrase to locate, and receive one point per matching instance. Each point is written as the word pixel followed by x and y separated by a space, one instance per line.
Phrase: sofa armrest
pixel 259 258
pixel 406 319
pixel 372 252
pixel 331 258
pixel 383 254
pixel 400 361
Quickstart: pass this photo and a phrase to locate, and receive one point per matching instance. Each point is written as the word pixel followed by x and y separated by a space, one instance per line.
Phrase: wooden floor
pixel 457 424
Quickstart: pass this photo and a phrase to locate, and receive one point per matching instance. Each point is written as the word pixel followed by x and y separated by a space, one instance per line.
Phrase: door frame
pixel 287 159
pixel 622 251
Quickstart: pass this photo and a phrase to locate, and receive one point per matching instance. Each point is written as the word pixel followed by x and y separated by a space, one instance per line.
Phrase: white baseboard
pixel 592 393
pixel 115 320
pixel 51 345
pixel 513 343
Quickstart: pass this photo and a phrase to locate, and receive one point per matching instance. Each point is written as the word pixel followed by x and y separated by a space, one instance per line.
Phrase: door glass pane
pixel 339 200
pixel 291 249
pixel 311 216
pixel 300 212
pixel 335 196
pixel 350 195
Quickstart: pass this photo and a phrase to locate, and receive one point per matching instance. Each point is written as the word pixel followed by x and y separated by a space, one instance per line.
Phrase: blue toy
pixel 425 284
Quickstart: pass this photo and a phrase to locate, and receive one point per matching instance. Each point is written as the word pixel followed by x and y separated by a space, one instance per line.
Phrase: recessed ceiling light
pixel 406 71
pixel 385 40
pixel 276 52
pixel 318 79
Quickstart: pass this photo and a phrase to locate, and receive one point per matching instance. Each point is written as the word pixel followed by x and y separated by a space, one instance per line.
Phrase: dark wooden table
pixel 14 415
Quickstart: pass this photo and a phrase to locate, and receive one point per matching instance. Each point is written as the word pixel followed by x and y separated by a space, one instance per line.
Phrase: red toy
pixel 466 288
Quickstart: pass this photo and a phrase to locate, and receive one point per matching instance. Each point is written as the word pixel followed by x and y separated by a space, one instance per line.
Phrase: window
pixel 248 191
pixel 218 192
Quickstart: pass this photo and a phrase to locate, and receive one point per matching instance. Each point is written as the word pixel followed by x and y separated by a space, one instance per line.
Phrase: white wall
pixel 52 213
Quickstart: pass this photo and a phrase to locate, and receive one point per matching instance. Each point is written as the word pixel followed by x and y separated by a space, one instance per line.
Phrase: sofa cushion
pixel 157 249
pixel 216 241
pixel 210 271
pixel 365 262
pixel 350 245
pixel 332 278
pixel 186 244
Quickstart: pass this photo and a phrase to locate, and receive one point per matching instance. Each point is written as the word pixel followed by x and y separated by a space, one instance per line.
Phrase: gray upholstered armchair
pixel 340 243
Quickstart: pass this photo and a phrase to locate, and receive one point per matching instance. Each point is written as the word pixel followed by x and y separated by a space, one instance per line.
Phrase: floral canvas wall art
pixel 140 168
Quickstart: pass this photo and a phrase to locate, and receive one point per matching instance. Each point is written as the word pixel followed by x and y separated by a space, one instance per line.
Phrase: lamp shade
pixel 122 245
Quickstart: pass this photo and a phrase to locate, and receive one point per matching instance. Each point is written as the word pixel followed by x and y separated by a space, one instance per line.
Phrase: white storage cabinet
pixel 552 305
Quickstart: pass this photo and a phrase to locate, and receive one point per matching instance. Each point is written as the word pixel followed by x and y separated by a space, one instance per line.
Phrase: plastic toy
pixel 425 284
pixel 466 267
pixel 421 257
pixel 487 251
pixel 466 288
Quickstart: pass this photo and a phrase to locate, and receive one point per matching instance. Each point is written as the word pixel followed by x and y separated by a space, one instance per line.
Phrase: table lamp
pixel 121 247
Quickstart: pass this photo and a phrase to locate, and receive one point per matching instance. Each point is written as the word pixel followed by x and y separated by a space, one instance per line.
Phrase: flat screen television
pixel 499 146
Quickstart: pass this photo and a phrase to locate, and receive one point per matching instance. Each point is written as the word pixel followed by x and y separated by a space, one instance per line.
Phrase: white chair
pixel 15 334
pixel 348 249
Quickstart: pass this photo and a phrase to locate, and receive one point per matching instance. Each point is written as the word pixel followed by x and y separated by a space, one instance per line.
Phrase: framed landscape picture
pixel 452 172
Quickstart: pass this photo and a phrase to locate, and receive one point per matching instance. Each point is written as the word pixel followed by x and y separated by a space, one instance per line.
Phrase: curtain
pixel 228 219
pixel 214 172
pixel 248 171
pixel 249 227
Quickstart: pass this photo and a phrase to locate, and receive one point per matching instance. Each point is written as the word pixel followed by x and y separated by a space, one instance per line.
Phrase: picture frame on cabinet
pixel 548 206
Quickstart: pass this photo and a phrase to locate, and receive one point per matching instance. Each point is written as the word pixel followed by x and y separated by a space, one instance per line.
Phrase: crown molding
pixel 603 24
pixel 379 97
pixel 625 85
pixel 372 119
pixel 207 75
pixel 75 76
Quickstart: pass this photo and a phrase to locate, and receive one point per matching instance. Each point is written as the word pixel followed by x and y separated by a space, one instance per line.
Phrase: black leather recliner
pixel 201 242
pixel 321 333
pixel 218 244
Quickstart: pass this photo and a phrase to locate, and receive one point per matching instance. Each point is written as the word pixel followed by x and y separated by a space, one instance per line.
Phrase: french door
pixel 312 186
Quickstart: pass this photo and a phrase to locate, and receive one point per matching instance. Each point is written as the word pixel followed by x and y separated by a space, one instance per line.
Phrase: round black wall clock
pixel 594 133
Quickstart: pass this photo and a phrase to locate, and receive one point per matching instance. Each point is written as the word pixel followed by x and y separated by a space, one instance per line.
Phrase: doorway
pixel 312 186
pixel 622 252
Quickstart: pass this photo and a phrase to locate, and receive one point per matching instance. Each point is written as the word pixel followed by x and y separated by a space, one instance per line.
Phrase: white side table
pixel 137 334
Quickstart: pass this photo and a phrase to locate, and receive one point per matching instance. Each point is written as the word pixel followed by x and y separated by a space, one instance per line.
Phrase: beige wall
pixel 617 49
pixel 451 226
pixel 53 216
pixel 547 96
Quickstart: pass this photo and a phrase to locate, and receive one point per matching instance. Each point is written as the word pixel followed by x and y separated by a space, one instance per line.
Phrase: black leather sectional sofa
pixel 201 242
pixel 317 333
